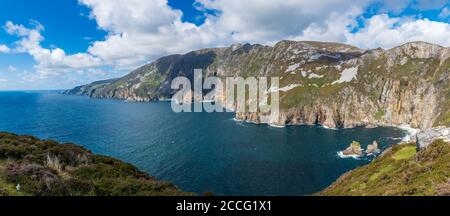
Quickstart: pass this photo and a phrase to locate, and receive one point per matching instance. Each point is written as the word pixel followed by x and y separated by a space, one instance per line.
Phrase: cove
pixel 199 152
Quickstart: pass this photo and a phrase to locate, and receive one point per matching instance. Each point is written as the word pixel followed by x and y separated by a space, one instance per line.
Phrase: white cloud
pixel 142 31
pixel 12 68
pixel 136 15
pixel 29 77
pixel 272 20
pixel 378 31
pixel 49 61
pixel 384 31
pixel 3 80
pixel 334 28
pixel 4 48
pixel 396 6
pixel 444 13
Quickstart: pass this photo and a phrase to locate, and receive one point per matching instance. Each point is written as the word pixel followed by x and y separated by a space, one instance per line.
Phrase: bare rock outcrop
pixel 373 148
pixel 330 84
pixel 353 149
pixel 426 137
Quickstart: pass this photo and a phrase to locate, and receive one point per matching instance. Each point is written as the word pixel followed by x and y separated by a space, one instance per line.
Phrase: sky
pixel 49 44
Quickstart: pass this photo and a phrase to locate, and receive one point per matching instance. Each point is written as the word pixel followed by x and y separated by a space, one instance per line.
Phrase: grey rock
pixel 373 148
pixel 353 149
pixel 426 137
pixel 407 84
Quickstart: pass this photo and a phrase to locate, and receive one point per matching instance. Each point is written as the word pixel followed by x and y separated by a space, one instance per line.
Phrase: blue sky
pixel 47 44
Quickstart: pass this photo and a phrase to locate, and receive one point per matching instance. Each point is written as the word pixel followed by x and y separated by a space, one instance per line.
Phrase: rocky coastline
pixel 333 85
pixel 407 169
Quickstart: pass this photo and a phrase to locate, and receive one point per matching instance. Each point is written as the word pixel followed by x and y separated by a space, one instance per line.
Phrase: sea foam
pixel 341 155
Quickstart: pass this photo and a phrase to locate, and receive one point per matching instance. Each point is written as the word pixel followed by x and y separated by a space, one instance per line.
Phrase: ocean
pixel 199 152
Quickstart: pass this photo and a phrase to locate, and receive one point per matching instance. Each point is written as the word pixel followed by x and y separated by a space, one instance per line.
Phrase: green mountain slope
pixel 399 171
pixel 29 166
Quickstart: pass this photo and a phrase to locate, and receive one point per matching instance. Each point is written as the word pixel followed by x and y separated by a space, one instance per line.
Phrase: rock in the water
pixel 426 137
pixel 353 149
pixel 373 148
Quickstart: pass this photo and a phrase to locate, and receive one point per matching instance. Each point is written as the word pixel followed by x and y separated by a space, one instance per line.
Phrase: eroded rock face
pixel 426 137
pixel 373 148
pixel 353 149
pixel 404 85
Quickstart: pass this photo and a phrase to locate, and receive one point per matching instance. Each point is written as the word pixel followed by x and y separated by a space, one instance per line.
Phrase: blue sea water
pixel 198 152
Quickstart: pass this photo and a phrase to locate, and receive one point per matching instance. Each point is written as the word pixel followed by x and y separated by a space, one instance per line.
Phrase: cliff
pixel 89 89
pixel 334 85
pixel 29 166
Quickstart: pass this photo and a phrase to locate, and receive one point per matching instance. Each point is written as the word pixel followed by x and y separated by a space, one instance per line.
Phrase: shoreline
pixel 410 131
pixel 405 127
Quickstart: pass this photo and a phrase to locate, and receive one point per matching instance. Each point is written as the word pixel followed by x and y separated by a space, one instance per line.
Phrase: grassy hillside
pixel 400 171
pixel 29 166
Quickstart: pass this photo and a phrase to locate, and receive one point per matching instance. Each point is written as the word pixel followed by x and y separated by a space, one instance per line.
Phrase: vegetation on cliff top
pixel 331 84
pixel 29 166
pixel 399 171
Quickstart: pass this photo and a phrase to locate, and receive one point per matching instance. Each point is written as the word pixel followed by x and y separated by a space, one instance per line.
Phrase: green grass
pixel 6 188
pixel 444 118
pixel 383 170
pixel 24 160
pixel 329 90
pixel 405 153
pixel 378 115
pixel 399 171
pixel 295 97
pixel 356 144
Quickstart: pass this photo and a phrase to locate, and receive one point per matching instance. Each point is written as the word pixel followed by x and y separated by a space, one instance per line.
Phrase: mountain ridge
pixel 335 85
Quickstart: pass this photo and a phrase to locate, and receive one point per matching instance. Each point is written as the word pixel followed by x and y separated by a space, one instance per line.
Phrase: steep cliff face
pixel 89 89
pixel 335 85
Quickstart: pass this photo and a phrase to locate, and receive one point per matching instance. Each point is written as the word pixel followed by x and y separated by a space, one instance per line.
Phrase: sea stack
pixel 373 148
pixel 353 149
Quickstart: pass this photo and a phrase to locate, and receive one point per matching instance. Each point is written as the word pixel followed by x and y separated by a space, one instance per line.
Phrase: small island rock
pixel 353 149
pixel 426 137
pixel 373 148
